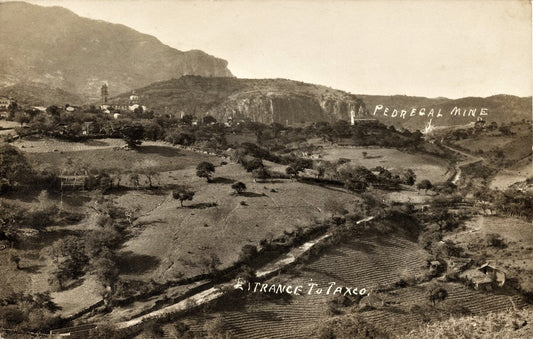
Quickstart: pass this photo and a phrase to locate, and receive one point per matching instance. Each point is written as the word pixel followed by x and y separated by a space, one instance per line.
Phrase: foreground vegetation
pixel 143 222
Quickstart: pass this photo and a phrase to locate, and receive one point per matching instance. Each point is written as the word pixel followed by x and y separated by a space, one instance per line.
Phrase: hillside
pixel 262 100
pixel 39 94
pixel 53 45
pixel 499 108
pixel 282 101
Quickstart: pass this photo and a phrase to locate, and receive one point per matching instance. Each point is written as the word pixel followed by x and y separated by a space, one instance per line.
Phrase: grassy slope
pixel 492 325
pixel 180 239
pixel 425 166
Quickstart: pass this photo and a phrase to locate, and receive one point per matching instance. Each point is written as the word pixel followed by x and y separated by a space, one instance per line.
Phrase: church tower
pixel 104 94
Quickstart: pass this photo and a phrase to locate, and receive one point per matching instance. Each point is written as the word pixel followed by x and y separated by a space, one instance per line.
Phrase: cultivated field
pixel 365 263
pixel 425 166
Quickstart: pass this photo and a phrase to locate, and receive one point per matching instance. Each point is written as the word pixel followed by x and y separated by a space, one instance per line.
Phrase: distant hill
pixel 37 94
pixel 262 100
pixel 281 100
pixel 498 108
pixel 54 46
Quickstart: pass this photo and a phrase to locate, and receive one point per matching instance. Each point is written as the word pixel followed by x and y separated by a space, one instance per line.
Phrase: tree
pixel 134 179
pixel 424 185
pixel 341 129
pixel 408 177
pixel 321 170
pixel 208 120
pixel 437 294
pixel 204 170
pixel 276 128
pixel 132 135
pixel 291 171
pixel 53 111
pixel 253 164
pixel 258 129
pixel 182 193
pixel 106 270
pixel 239 187
pixel 248 252
pixel 22 118
pixel 150 174
pixel 14 168
pixel 187 119
pixel 16 260
pixel 70 257
pixel 365 154
pixel 261 173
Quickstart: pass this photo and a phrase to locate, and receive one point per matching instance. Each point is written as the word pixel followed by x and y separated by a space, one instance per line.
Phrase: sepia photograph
pixel 266 169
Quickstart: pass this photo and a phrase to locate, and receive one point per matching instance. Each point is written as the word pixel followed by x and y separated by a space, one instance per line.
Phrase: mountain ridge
pixel 283 100
pixel 55 46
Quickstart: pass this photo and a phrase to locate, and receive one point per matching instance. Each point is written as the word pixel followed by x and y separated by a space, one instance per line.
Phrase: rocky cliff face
pixel 285 109
pixel 54 46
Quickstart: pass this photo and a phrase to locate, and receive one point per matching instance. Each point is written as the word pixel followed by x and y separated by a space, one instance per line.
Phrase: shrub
pixel 247 253
pixel 495 240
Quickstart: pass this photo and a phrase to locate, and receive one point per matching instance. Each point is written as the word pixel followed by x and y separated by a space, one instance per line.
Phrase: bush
pixel 11 316
pixel 248 252
pixel 495 240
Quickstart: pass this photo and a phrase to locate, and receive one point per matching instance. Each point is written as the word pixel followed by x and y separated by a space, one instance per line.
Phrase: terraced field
pixel 370 262
pixel 290 318
pixel 360 263
pixel 398 318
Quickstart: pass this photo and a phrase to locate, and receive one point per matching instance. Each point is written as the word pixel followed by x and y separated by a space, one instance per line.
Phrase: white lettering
pixel 330 286
pixel 311 285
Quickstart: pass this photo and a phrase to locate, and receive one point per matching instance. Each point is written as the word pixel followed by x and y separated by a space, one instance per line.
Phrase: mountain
pixel 38 94
pixel 262 100
pixel 497 108
pixel 54 46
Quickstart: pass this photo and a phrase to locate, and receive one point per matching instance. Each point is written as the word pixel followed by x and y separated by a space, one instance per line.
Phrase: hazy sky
pixel 428 48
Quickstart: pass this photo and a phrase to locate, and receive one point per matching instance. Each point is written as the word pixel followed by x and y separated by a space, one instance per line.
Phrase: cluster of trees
pixel 14 168
pixel 365 133
pixel 28 312
pixel 359 178
pixel 14 217
pixel 511 202
pixel 95 252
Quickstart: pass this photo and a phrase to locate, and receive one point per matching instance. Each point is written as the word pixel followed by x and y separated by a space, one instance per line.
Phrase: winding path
pixel 470 159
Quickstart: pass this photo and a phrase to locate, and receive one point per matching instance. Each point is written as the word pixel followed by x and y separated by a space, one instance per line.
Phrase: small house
pixel 496 275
